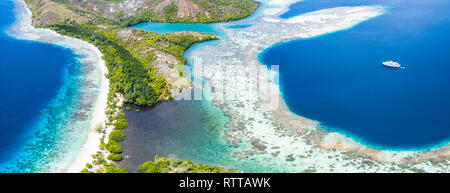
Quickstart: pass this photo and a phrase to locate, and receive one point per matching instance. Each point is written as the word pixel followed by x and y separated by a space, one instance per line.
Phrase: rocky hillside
pixel 130 12
pixel 47 12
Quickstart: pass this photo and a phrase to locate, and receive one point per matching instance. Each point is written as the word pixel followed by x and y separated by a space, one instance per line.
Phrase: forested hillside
pixel 130 12
pixel 135 58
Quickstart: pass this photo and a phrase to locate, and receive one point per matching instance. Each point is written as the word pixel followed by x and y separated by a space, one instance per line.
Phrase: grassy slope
pixel 188 11
pixel 45 12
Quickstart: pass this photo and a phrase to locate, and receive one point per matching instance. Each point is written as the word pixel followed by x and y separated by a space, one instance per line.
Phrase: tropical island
pixel 137 60
pixel 131 54
pixel 128 68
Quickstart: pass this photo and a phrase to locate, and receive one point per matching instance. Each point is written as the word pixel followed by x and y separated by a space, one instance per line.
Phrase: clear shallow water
pixel 314 5
pixel 239 26
pixel 197 27
pixel 41 91
pixel 338 79
pixel 188 130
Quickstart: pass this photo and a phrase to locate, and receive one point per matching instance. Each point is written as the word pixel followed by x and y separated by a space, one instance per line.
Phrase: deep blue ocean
pixel 39 86
pixel 338 80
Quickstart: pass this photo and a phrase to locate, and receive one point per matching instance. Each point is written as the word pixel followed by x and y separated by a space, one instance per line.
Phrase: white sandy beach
pixel 92 142
pixel 88 53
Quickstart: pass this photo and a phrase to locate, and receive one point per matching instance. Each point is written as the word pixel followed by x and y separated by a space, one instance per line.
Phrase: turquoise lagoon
pixel 177 27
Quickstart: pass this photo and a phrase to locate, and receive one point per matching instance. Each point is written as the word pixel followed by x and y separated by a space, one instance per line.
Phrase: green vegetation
pixel 114 147
pixel 104 166
pixel 173 165
pixel 129 53
pixel 170 12
pixel 211 11
pixel 172 43
pixel 121 121
pixel 126 73
pixel 114 157
pixel 117 136
pixel 227 10
pixel 114 169
pixel 98 159
pixel 130 71
pixel 200 11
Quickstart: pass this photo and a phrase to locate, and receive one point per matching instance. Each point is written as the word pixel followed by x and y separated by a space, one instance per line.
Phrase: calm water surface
pixel 338 79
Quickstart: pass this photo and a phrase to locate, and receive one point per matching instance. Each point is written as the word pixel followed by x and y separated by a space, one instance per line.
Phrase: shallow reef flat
pixel 74 149
pixel 275 136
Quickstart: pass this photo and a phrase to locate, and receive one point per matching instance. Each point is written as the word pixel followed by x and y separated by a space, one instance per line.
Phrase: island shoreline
pixel 23 29
pixel 336 140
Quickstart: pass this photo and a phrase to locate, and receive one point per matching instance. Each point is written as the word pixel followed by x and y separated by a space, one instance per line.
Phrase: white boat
pixel 392 64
